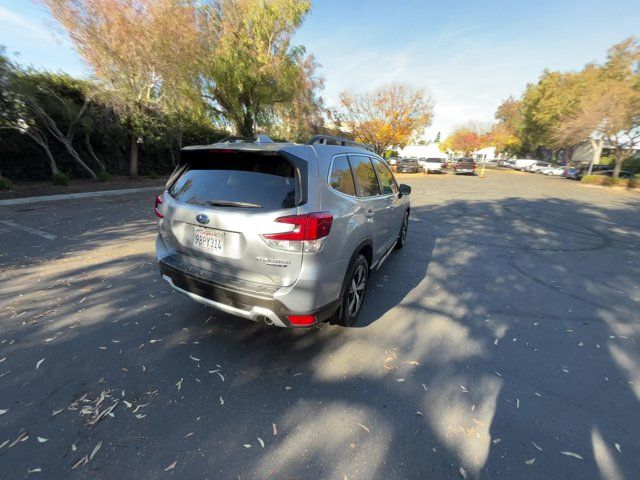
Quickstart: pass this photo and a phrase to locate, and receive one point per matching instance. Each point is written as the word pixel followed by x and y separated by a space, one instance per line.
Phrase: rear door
pixel 368 190
pixel 394 208
pixel 222 203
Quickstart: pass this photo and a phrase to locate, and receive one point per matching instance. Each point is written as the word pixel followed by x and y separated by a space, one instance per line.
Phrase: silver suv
pixel 279 232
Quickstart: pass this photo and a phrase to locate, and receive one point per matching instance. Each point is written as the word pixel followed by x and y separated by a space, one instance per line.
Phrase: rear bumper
pixel 256 306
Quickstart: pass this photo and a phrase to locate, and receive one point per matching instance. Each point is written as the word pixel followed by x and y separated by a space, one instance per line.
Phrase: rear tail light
pixel 301 320
pixel 308 233
pixel 158 204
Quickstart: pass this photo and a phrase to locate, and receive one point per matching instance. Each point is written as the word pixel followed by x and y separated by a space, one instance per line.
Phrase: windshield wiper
pixel 229 203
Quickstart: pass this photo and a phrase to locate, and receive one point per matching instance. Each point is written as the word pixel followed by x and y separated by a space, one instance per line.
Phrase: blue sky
pixel 468 54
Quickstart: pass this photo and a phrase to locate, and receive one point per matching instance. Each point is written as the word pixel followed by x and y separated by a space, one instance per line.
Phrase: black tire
pixel 356 277
pixel 402 236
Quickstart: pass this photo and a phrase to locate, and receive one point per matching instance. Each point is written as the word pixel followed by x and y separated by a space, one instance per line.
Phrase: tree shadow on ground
pixel 503 335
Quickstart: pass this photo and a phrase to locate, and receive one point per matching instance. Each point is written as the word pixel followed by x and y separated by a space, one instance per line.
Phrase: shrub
pixel 60 179
pixel 104 176
pixel 5 184
pixel 592 179
pixel 610 181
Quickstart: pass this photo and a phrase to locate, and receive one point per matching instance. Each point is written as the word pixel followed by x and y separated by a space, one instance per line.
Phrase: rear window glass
pixel 341 178
pixel 236 179
pixel 366 179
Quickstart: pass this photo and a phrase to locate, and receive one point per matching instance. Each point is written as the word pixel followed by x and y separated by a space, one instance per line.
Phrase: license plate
pixel 209 240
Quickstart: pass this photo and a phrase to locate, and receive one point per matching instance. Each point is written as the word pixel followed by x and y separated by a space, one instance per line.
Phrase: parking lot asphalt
pixel 501 343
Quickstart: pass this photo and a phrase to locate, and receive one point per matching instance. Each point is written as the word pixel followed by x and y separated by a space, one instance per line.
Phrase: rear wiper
pixel 229 203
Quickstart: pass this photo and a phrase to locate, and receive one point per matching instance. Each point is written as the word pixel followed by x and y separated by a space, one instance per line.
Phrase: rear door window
pixel 365 176
pixel 388 184
pixel 341 178
pixel 237 179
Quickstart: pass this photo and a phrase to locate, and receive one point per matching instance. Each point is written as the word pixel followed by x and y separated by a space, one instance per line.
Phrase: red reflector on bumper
pixel 302 320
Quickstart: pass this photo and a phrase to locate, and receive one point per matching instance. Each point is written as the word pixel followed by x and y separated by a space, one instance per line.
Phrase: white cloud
pixel 12 19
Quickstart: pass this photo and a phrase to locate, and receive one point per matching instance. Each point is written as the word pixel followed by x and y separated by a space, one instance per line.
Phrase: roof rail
pixel 330 140
pixel 234 139
pixel 259 139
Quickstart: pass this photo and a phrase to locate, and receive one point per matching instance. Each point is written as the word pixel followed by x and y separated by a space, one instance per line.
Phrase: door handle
pixel 369 213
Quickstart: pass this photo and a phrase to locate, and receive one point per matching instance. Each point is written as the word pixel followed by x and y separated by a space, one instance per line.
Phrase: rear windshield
pixel 236 179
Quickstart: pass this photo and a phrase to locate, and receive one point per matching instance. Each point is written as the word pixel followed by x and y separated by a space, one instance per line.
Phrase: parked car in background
pixel 409 165
pixel 536 167
pixel 553 171
pixel 523 163
pixel 281 233
pixel 580 171
pixel 622 174
pixel 506 163
pixel 432 165
pixel 466 166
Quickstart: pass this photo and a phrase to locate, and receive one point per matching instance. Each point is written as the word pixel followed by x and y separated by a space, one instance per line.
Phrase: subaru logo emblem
pixel 202 218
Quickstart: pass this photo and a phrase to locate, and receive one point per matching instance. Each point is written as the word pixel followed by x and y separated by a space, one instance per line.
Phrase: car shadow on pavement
pixel 500 343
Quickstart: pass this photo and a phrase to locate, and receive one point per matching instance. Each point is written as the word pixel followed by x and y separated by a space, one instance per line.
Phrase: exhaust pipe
pixel 266 320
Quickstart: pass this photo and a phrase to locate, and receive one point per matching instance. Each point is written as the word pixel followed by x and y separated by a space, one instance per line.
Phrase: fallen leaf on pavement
pixel 39 363
pixel 572 454
pixel 95 450
pixel 363 427
pixel 42 439
pixel 171 467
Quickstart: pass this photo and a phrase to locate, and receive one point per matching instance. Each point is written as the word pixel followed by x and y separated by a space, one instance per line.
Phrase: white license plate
pixel 209 240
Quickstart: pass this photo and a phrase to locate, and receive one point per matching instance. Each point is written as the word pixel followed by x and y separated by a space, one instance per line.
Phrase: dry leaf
pixel 537 446
pixel 275 429
pixel 42 439
pixel 95 450
pixel 462 472
pixel 363 427
pixel 35 470
pixel 221 400
pixel 171 467
pixel 179 384
pixel 39 363
pixel 530 461
pixel 261 442
pixel 617 445
pixel 247 445
pixel 195 359
pixel 572 454
pixel 83 461
pixel 56 412
pixel 2 412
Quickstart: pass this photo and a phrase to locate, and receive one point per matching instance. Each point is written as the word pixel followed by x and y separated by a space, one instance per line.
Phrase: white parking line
pixel 73 196
pixel 35 231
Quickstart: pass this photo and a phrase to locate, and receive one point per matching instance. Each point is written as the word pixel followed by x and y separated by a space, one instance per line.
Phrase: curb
pixel 73 196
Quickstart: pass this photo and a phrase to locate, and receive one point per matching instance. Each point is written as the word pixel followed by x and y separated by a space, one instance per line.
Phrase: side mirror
pixel 404 189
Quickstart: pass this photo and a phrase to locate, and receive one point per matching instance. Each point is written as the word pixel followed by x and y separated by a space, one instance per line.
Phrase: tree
pixel 58 102
pixel 504 139
pixel 386 117
pixel 144 51
pixel 249 65
pixel 302 117
pixel 465 141
pixel 608 112
pixel 15 114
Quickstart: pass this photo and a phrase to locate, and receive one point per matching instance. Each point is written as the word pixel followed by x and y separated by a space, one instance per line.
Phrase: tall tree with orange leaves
pixel 386 117
pixel 145 52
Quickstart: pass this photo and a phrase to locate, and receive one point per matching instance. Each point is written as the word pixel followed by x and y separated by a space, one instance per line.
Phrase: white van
pixel 523 163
